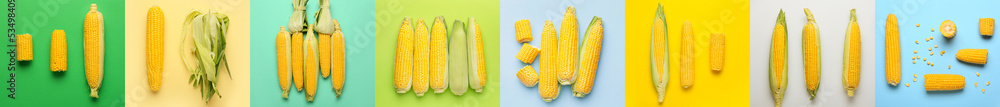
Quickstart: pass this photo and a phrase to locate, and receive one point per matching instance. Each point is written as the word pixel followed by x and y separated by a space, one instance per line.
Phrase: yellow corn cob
pixel 590 55
pixel 717 57
pixel 282 43
pixel 24 48
pixel 154 47
pixel 311 63
pixel 325 50
pixel 948 29
pixel 338 52
pixel 852 56
pixel 459 51
pixel 892 73
pixel 527 53
pixel 93 48
pixel 975 56
pixel 943 82
pixel 687 55
pixel 568 47
pixel 548 84
pixel 477 67
pixel 659 66
pixel 297 59
pixel 404 57
pixel 420 57
pixel 811 54
pixel 778 68
pixel 528 76
pixel 438 72
pixel 523 28
pixel 57 52
pixel 986 26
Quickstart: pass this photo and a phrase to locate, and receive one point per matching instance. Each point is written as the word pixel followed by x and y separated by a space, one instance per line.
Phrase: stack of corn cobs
pixel 778 60
pixel 659 54
pixel 303 58
pixel 430 58
pixel 563 61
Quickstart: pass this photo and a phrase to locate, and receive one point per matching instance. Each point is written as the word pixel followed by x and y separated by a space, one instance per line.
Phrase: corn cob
pixel 948 29
pixel 778 69
pixel 93 43
pixel 420 57
pixel 986 26
pixel 975 56
pixel 404 57
pixel 57 55
pixel 590 55
pixel 324 46
pixel 438 72
pixel 458 71
pixel 852 56
pixel 659 66
pixel 943 82
pixel 811 54
pixel 523 28
pixel 717 57
pixel 687 55
pixel 282 43
pixel 338 54
pixel 297 59
pixel 892 73
pixel 528 76
pixel 311 63
pixel 24 48
pixel 548 84
pixel 154 47
pixel 527 53
pixel 568 47
pixel 477 61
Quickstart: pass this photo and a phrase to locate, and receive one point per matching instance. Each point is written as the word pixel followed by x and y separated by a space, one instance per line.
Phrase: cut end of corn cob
pixel 986 26
pixel 975 56
pixel 892 65
pixel 24 47
pixel 568 47
pixel 687 55
pixel 523 28
pixel 528 76
pixel 527 53
pixel 943 82
pixel 717 59
pixel 947 29
pixel 404 57
pixel 57 52
pixel 93 38
pixel 154 47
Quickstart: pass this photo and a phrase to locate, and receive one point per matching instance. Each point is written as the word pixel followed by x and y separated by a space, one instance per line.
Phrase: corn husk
pixel 324 21
pixel 297 22
pixel 208 31
pixel 458 71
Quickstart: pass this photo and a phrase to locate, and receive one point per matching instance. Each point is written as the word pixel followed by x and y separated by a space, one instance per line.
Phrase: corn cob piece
pixel 57 52
pixel 282 43
pixel 659 66
pixel 311 63
pixel 852 56
pixel 458 71
pixel 948 29
pixel 568 47
pixel 717 55
pixel 811 54
pixel 892 73
pixel 438 72
pixel 523 28
pixel 154 47
pixel 477 59
pixel 528 76
pixel 687 55
pixel 421 47
pixel 297 59
pixel 527 53
pixel 548 84
pixel 986 26
pixel 778 68
pixel 325 50
pixel 404 57
pixel 24 48
pixel 337 70
pixel 93 43
pixel 590 55
pixel 943 82
pixel 975 56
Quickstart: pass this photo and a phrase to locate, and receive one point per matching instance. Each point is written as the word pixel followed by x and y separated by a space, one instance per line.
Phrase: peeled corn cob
pixel 154 47
pixel 975 56
pixel 687 55
pixel 338 54
pixel 528 76
pixel 421 47
pixel 527 53
pixel 811 54
pixel 948 29
pixel 93 48
pixel 311 63
pixel 548 84
pixel 590 55
pixel 717 54
pixel 282 43
pixel 523 28
pixel 458 71
pixel 438 72
pixel 892 74
pixel 943 82
pixel 57 52
pixel 568 47
pixel 852 56
pixel 986 26
pixel 297 59
pixel 659 64
pixel 477 67
pixel 324 46
pixel 404 57
pixel 778 68
pixel 24 47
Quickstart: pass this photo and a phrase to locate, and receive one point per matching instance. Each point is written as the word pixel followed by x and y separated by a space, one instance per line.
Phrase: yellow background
pixel 175 90
pixel 728 88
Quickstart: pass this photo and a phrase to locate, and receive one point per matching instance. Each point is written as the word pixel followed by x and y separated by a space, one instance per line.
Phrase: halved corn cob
pixel 568 47
pixel 404 57
pixel 438 72
pixel 687 55
pixel 986 26
pixel 948 29
pixel 283 45
pixel 24 48
pixel 778 68
pixel 527 53
pixel 154 47
pixel 590 55
pixel 338 54
pixel 548 84
pixel 93 48
pixel 458 71
pixel 57 52
pixel 892 73
pixel 852 56
pixel 943 82
pixel 811 54
pixel 477 61
pixel 421 47
pixel 975 56
pixel 717 54
pixel 528 76
pixel 523 28
pixel 297 59
pixel 659 64
pixel 311 63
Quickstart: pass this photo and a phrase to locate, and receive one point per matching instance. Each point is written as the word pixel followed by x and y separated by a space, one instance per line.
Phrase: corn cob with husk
pixel 438 72
pixel 208 30
pixel 458 71
pixel 404 57
pixel 892 73
pixel 324 31
pixel 154 47
pixel 659 64
pixel 943 82
pixel 811 54
pixel 297 23
pixel 24 47
pixel 852 56
pixel 57 52
pixel 282 43
pixel 93 43
pixel 974 56
pixel 948 29
pixel 311 63
pixel 590 55
pixel 477 63
pixel 548 84
pixel 421 49
pixel 568 47
pixel 778 68
pixel 338 53
pixel 687 55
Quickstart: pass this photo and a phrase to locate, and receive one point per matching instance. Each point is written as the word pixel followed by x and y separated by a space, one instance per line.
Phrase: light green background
pixel 390 13
pixel 36 86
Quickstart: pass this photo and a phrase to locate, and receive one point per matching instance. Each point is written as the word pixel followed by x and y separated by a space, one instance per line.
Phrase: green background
pixel 36 86
pixel 390 13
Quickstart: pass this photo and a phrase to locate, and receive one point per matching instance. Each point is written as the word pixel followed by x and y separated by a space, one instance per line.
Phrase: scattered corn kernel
pixel 929 49
pixel 932 53
pixel 975 84
pixel 913 58
pixel 927 39
pixel 932 37
pixel 918 42
pixel 925 58
pixel 915 76
pixel 914 79
pixel 987 83
pixel 932 29
pixel 914 51
pixel 942 52
pixel 932 64
pixel 977 74
pixel 918 24
pixel 949 66
pixel 907 84
pixel 914 62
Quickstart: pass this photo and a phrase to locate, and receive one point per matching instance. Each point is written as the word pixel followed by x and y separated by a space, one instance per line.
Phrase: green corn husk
pixel 851 61
pixel 471 39
pixel 297 22
pixel 778 87
pixel 208 31
pixel 660 80
pixel 458 71
pixel 588 63
pixel 324 22
pixel 812 21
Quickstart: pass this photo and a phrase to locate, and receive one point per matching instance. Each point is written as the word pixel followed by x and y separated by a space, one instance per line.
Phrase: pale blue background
pixel 608 90
pixel 930 14
pixel 357 23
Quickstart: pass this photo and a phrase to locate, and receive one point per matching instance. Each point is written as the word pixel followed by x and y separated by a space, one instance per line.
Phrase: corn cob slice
pixel 892 73
pixel 948 29
pixel 458 71
pixel 93 43
pixel 154 47
pixel 548 84
pixel 811 54
pixel 717 57
pixel 438 72
pixel 24 48
pixel 420 57
pixel 527 53
pixel 523 28
pixel 477 61
pixel 297 59
pixel 852 56
pixel 57 55
pixel 778 68
pixel 943 82
pixel 528 76
pixel 986 26
pixel 590 55
pixel 659 66
pixel 311 63
pixel 975 56
pixel 282 43
pixel 687 55
pixel 568 47
pixel 404 57
pixel 338 54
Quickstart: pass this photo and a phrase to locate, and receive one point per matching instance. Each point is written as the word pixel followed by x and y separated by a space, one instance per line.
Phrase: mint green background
pixel 36 86
pixel 357 24
pixel 390 13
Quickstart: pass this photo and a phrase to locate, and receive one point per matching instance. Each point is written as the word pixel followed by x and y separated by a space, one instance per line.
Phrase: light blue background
pixel 608 90
pixel 358 26
pixel 930 14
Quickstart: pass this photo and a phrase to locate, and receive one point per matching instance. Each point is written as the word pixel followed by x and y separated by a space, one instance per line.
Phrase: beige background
pixel 175 90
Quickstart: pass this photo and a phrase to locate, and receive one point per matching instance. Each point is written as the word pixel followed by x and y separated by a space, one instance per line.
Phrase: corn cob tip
pixel 284 94
pixel 93 92
pixel 93 7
